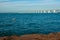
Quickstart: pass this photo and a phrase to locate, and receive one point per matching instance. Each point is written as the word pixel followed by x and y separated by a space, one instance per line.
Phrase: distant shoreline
pixel 26 13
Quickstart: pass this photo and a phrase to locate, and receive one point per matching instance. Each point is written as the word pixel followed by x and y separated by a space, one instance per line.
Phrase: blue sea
pixel 29 23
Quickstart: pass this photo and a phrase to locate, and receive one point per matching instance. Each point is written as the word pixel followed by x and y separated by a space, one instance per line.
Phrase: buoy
pixel 14 19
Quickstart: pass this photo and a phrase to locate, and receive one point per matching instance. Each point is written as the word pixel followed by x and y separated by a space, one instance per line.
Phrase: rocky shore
pixel 51 36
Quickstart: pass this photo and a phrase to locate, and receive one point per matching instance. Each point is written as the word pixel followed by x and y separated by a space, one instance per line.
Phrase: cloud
pixel 27 5
pixel 3 0
pixel 26 0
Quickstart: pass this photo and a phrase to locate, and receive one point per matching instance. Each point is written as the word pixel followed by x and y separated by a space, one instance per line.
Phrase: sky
pixel 17 6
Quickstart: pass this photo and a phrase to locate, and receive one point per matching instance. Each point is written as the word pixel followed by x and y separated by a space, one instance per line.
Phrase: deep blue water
pixel 21 24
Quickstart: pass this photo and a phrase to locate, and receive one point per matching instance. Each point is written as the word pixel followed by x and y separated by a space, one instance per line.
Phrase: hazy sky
pixel 28 5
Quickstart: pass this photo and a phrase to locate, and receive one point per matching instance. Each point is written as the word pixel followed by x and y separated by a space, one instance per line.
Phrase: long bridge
pixel 47 11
